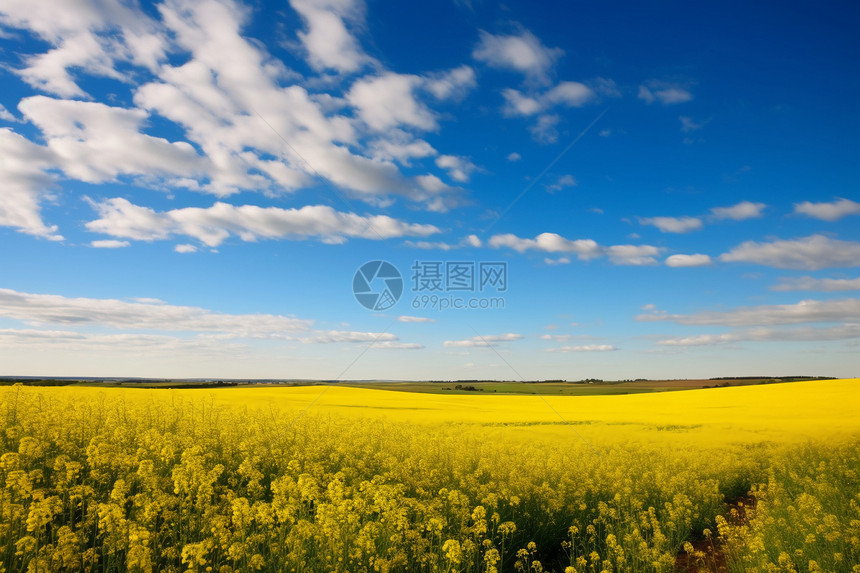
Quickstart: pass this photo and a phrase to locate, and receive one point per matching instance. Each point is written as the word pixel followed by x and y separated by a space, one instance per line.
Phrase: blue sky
pixel 187 188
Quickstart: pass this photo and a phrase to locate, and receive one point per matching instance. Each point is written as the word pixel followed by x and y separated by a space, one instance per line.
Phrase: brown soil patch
pixel 713 556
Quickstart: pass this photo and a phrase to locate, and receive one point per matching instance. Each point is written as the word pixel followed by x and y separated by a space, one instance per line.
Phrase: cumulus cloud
pixel 335 336
pixel 401 147
pixel 405 318
pixel 633 254
pixel 451 84
pixel 93 142
pixel 396 345
pixel 465 242
pixel 514 156
pixel 482 341
pixel 109 244
pixel 569 94
pixel 828 211
pixel 389 100
pixel 673 224
pixel 133 345
pixel 86 36
pixel 521 52
pixel 26 184
pixel 556 262
pixel 459 168
pixel 808 283
pixel 545 131
pixel 327 40
pixel 809 253
pixel 584 249
pixel 666 93
pixel 800 334
pixel 697 260
pixel 213 225
pixel 562 182
pixel 585 348
pixel 739 212
pixel 246 123
pixel 185 248
pixel 805 311
pixel 38 309
pixel 141 321
pixel 5 115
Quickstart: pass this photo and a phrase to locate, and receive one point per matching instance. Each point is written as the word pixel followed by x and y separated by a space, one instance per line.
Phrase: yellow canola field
pixel 307 479
pixel 789 412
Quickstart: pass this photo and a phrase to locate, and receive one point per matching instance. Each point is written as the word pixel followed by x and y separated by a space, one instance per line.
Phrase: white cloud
pixel 401 147
pixel 516 103
pixel 805 311
pixel 56 309
pixel 741 211
pixel 585 348
pixel 459 168
pixel 809 253
pixel 697 260
pixel 95 143
pixel 210 330
pixel 328 41
pixel 584 249
pixel 212 225
pixel 114 345
pixel 555 262
pixel 828 211
pixel 673 224
pixel 472 241
pixel 5 115
pixel 544 131
pixel 335 336
pixel 807 283
pixel 559 337
pixel 523 53
pixel 185 248
pixel 109 244
pixel 482 341
pixel 389 100
pixel 252 127
pixel 465 242
pixel 666 93
pixel 405 318
pixel 86 37
pixel 633 254
pixel 430 245
pixel 395 345
pixel 514 156
pixel 451 84
pixel 562 182
pixel 25 184
pixel 571 94
pixel 799 334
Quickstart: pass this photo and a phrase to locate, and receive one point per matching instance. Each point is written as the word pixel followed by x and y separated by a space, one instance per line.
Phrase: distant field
pixel 559 388
pixel 578 388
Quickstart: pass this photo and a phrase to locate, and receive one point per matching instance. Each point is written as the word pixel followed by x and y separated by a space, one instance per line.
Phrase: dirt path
pixel 708 555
